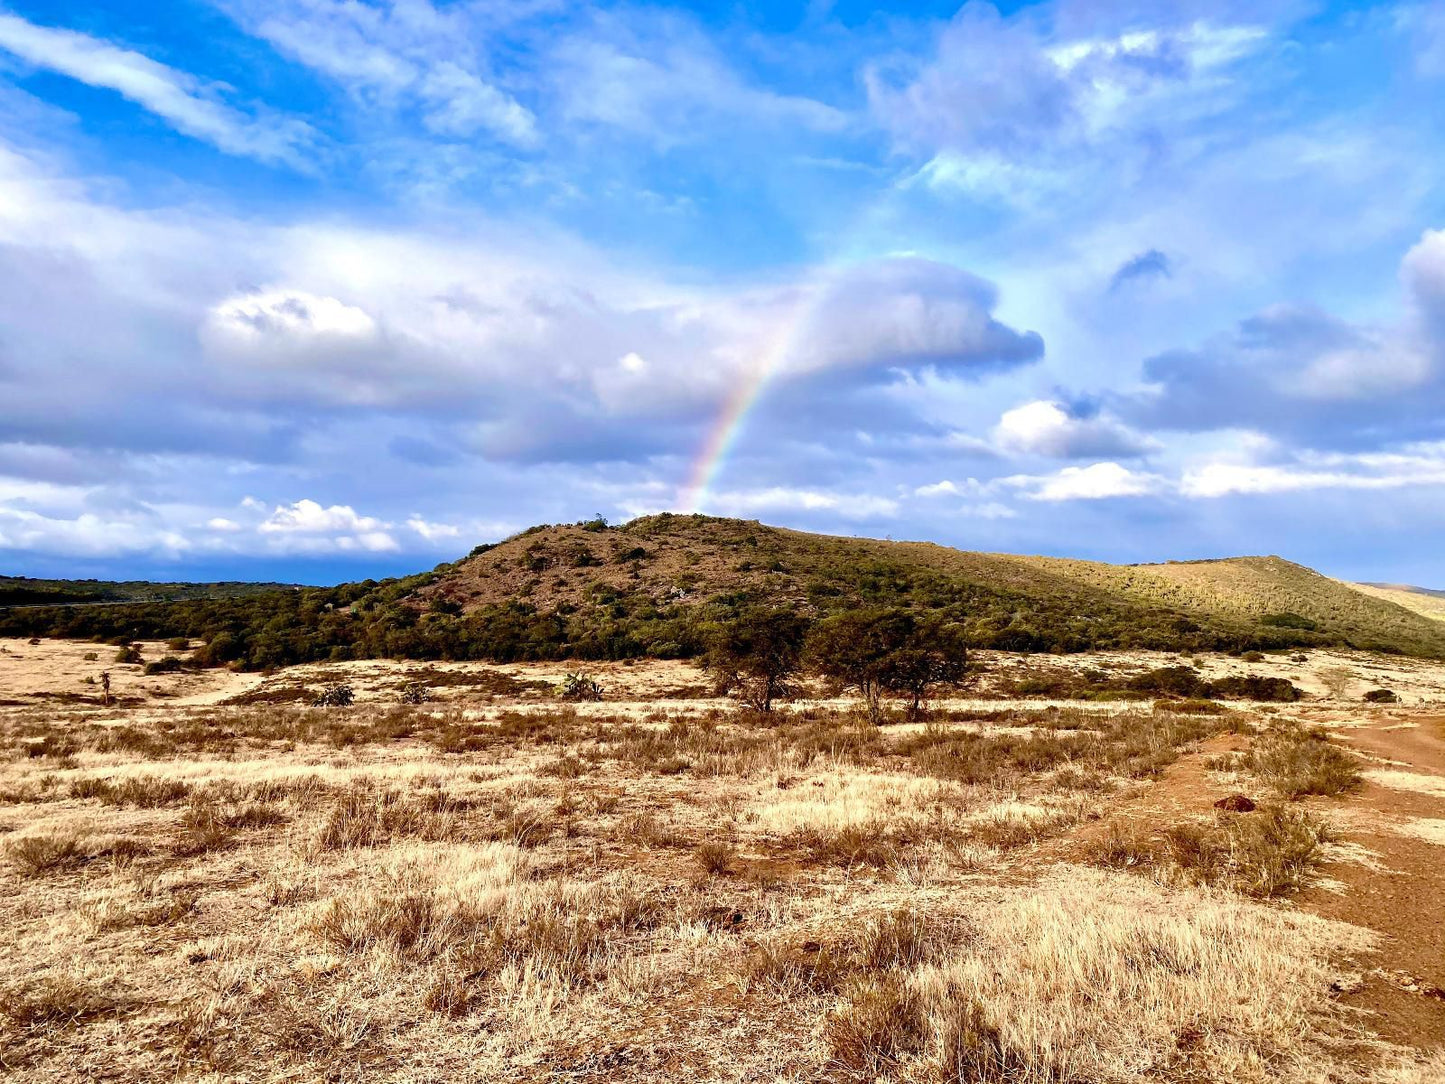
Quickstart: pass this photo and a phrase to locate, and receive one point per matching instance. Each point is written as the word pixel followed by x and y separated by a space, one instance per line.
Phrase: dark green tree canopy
pixel 889 651
pixel 755 654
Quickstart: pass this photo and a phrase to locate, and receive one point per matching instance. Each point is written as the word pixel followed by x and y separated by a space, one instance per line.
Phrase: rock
pixel 1235 803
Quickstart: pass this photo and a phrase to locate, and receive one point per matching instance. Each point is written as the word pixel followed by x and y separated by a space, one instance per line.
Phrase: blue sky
pixel 317 289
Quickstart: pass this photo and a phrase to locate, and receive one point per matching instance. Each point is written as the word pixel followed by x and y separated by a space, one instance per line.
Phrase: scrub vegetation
pixel 660 587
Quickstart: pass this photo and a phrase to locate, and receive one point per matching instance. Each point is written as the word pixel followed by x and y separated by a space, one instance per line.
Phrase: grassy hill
pixel 656 585
pixel 1421 600
pixel 643 575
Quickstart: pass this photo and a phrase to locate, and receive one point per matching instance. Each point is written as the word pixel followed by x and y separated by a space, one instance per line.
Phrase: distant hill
pixel 657 585
pixel 1422 600
pixel 651 569
pixel 25 591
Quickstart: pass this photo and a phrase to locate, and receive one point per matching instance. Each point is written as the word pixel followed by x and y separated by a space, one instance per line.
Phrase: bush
pixel 168 665
pixel 1381 696
pixel 129 655
pixel 1289 621
pixel 54 1000
pixel 715 856
pixel 334 696
pixel 1253 687
pixel 899 938
pixel 1264 854
pixel 34 855
pixel 882 1021
pixel 1272 850
pixel 179 643
pixel 579 685
pixel 414 692
pixel 1170 681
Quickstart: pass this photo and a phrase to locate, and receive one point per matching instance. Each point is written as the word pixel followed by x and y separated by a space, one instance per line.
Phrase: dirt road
pixel 1399 816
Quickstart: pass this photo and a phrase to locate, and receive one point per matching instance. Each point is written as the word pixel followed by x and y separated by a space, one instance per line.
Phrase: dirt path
pixel 1404 898
pixel 1397 891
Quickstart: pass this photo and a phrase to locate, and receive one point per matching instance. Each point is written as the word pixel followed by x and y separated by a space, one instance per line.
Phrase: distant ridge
pixel 29 591
pixel 1422 600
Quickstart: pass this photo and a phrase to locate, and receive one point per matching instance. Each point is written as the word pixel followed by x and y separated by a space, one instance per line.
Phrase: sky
pixel 316 290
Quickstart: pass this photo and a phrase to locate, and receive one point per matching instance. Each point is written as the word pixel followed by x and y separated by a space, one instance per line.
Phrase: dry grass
pixel 1268 853
pixel 1296 762
pixel 433 892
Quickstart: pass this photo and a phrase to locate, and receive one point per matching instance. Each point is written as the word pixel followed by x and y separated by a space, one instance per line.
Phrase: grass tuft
pixel 1296 762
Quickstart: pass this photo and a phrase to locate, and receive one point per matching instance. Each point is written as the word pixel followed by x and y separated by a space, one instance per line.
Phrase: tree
pixel 932 652
pixel 755 654
pixel 889 651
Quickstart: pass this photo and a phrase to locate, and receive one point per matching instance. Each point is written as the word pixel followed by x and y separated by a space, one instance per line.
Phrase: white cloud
pixel 309 516
pixel 89 534
pixel 177 97
pixel 504 344
pixel 433 532
pixel 1095 482
pixel 664 82
pixel 221 523
pixel 461 105
pixel 1425 466
pixel 969 487
pixel 999 87
pixel 1047 428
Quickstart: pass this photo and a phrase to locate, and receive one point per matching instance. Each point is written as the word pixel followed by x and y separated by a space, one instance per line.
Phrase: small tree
pixel 930 651
pixel 889 651
pixel 754 655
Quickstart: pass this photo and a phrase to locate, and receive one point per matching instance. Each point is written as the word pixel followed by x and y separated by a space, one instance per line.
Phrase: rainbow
pixel 731 421
pixel 723 435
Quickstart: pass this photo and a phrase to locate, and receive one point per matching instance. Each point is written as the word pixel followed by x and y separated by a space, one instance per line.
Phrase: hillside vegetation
pixel 1421 600
pixel 644 575
pixel 656 587
pixel 28 591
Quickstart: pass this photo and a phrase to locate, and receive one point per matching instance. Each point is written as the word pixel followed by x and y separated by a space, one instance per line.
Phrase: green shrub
pixel 579 685
pixel 414 692
pixel 1254 687
pixel 334 696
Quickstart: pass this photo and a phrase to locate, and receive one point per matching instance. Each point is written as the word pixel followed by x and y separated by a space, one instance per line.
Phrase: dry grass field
pixel 210 879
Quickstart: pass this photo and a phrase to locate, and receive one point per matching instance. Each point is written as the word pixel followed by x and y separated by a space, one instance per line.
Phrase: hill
pixel 655 587
pixel 646 572
pixel 1421 600
pixel 28 591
